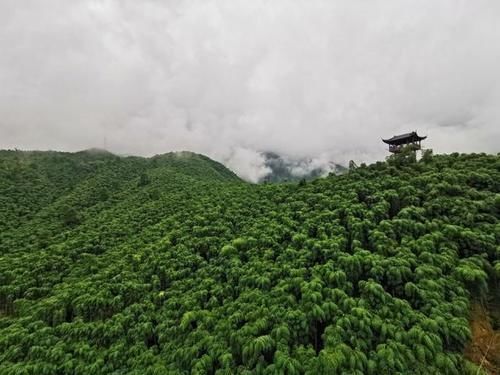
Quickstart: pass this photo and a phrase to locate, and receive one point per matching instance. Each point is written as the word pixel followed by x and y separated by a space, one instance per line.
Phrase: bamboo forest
pixel 174 265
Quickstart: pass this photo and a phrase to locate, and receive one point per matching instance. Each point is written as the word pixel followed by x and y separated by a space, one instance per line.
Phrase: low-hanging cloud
pixel 323 80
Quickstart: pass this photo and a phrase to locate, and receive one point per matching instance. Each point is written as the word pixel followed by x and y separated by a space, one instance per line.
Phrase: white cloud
pixel 250 164
pixel 317 79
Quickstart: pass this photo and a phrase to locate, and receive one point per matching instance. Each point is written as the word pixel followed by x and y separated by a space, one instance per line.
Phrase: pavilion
pixel 397 142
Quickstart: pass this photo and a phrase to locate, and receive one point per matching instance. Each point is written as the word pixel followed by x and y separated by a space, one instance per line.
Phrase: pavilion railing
pixel 398 148
pixel 394 148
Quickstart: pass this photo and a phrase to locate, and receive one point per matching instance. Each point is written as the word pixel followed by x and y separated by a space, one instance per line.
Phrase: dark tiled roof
pixel 404 138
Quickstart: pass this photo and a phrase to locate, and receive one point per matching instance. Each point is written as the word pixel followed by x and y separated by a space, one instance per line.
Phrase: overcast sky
pixel 304 78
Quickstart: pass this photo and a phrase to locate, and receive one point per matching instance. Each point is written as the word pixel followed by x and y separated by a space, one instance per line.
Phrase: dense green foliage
pixel 173 265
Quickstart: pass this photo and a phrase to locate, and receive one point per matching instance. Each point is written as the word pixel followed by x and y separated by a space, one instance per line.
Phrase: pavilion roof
pixel 404 138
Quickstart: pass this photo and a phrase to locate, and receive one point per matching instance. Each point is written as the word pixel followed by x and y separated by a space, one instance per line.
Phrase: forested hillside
pixel 173 265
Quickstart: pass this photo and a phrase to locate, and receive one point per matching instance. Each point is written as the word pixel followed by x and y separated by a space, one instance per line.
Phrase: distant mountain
pixel 289 169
